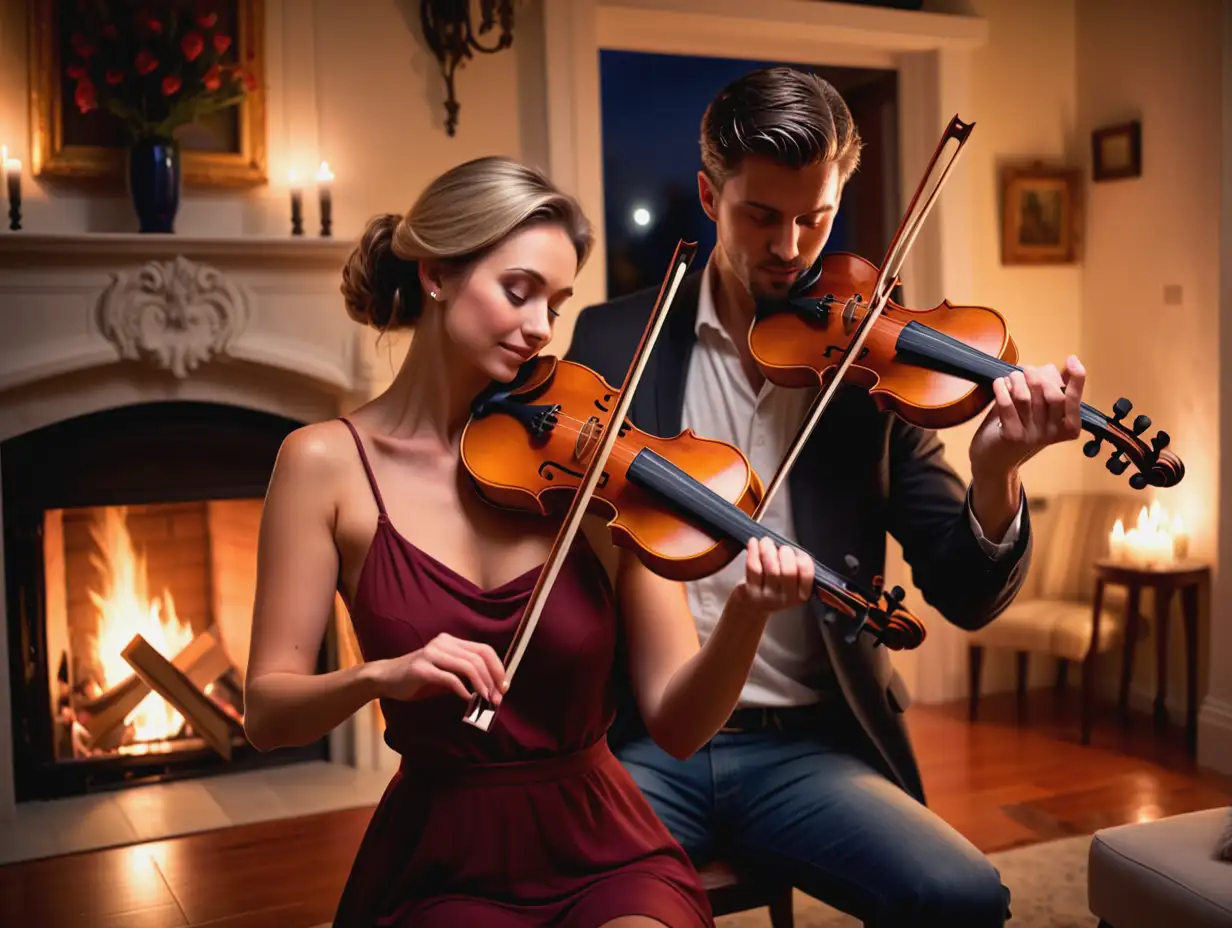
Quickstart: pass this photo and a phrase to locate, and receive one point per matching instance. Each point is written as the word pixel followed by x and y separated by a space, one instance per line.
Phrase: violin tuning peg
pixel 1138 481
pixel 897 595
pixel 1160 441
pixel 1141 424
pixel 1117 464
pixel 1091 448
pixel 852 562
pixel 1121 408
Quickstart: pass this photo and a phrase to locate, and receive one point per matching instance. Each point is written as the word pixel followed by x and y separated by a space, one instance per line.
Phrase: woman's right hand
pixel 442 665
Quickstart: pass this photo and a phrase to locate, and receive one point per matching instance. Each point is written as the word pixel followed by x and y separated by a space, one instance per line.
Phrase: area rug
pixel 1047 881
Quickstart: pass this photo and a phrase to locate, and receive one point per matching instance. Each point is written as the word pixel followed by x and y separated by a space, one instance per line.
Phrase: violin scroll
pixel 1156 465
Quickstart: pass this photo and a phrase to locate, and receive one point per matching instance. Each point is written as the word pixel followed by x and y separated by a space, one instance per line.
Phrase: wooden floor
pixel 1001 785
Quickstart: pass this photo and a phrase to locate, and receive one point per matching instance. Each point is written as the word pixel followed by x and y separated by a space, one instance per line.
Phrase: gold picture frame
pixel 1041 214
pixel 234 156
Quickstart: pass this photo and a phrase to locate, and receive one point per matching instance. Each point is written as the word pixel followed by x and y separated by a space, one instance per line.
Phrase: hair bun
pixel 372 281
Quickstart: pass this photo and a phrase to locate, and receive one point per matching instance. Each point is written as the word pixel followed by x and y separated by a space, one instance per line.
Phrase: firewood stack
pixel 201 666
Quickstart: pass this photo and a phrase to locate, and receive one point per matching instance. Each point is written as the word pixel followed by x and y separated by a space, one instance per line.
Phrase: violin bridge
pixel 849 311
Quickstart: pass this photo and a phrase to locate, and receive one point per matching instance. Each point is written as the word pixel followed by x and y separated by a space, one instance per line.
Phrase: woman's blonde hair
pixel 462 215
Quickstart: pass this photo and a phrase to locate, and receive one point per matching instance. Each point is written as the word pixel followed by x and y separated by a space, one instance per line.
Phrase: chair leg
pixel 1062 676
pixel 1088 697
pixel 1023 667
pixel 781 913
pixel 975 661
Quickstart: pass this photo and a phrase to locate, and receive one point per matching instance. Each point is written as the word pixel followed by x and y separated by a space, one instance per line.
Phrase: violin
pixel 932 367
pixel 682 505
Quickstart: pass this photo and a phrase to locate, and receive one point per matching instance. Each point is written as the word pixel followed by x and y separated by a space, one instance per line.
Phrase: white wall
pixel 1023 106
pixel 1159 63
pixel 1215 720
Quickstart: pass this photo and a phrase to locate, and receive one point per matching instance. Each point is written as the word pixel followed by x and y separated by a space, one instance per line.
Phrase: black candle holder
pixel 14 202
pixel 297 212
pixel 327 213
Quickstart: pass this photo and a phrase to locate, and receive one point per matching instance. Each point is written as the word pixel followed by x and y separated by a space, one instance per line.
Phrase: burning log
pixel 202 660
pixel 208 720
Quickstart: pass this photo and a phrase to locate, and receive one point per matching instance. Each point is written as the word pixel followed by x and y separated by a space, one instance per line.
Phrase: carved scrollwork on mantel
pixel 176 314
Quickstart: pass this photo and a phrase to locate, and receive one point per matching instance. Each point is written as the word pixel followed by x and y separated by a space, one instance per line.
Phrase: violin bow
pixel 896 254
pixel 479 712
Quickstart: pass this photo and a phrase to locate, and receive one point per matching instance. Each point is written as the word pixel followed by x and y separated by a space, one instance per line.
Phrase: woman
pixel 533 822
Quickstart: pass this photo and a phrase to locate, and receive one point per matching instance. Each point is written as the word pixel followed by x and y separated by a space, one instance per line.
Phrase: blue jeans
pixel 805 808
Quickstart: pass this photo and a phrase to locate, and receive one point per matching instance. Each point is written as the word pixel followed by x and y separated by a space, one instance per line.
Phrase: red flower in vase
pixel 85 95
pixel 145 62
pixel 192 45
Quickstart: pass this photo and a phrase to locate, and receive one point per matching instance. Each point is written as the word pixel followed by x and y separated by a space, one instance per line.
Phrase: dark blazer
pixel 862 473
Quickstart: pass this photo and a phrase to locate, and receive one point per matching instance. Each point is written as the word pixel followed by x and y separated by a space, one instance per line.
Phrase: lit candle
pixel 1180 539
pixel 1116 543
pixel 325 179
pixel 297 204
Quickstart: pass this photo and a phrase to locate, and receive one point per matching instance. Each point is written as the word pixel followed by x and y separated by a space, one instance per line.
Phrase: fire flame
pixel 125 609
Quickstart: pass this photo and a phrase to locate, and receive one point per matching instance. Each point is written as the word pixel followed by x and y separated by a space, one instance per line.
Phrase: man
pixel 814 779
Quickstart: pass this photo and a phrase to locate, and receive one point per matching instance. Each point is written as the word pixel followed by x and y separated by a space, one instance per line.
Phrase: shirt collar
pixel 707 315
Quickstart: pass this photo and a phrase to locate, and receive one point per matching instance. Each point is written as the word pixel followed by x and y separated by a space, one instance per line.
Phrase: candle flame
pixel 1156 540
pixel 324 174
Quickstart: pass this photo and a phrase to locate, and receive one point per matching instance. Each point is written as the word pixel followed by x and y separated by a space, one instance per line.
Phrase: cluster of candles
pixel 11 168
pixel 324 180
pixel 1155 541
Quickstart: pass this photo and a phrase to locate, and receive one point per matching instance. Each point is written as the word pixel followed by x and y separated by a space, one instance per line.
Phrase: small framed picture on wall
pixel 1041 214
pixel 1116 151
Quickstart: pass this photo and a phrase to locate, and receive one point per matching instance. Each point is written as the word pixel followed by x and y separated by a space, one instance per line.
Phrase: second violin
pixel 932 367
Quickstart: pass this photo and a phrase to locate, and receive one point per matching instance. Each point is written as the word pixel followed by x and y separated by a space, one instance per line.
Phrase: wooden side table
pixel 1188 578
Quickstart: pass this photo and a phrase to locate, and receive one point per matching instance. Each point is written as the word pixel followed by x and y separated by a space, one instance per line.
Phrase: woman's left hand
pixel 774 578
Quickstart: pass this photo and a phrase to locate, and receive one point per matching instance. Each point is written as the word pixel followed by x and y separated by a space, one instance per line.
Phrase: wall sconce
pixel 448 32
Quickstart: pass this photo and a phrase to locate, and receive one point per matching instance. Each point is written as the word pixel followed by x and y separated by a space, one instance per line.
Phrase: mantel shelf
pixel 19 249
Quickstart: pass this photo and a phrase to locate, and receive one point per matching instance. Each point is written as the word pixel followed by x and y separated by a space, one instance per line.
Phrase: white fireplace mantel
pixel 184 316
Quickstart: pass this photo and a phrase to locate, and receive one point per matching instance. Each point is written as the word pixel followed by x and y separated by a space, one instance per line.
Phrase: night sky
pixel 652 111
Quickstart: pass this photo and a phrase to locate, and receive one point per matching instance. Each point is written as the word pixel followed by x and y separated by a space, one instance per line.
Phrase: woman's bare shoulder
pixel 318 450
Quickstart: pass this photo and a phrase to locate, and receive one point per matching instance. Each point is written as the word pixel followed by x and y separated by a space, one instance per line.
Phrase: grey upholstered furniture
pixel 1161 874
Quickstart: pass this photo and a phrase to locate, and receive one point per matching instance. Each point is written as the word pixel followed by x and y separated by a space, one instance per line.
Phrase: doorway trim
pixel 930 51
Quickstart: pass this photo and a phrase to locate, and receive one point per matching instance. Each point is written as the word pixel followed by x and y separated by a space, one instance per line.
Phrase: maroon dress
pixel 534 822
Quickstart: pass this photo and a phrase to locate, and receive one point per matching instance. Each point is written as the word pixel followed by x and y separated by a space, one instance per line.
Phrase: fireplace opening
pixel 130 570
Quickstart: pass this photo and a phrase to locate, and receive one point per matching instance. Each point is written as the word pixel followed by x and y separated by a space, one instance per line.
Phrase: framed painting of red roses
pixel 103 74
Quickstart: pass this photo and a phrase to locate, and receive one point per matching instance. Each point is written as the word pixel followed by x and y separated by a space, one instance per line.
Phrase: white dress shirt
pixel 790 667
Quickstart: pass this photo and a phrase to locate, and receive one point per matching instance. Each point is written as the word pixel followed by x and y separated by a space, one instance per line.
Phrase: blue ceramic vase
pixel 154 183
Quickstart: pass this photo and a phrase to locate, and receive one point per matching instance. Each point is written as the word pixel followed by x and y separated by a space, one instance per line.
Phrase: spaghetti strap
pixel 363 457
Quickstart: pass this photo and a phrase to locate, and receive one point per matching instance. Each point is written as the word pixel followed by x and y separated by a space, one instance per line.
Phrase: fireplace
pixel 130 539
pixel 146 384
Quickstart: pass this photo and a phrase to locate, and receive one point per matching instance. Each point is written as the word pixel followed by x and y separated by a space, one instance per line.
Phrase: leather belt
pixel 776 718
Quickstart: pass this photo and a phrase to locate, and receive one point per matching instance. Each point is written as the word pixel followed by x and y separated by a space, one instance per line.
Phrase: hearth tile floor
pixel 164 810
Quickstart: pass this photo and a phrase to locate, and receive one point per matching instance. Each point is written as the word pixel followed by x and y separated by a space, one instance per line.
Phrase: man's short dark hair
pixel 788 115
